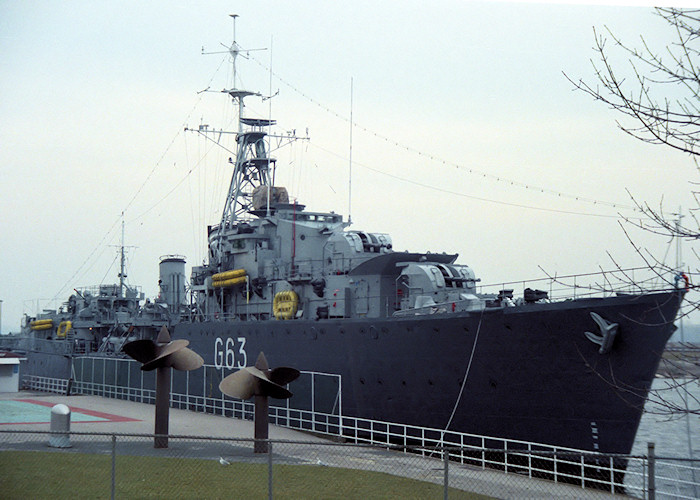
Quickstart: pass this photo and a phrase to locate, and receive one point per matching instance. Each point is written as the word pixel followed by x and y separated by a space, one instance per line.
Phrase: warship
pixel 394 337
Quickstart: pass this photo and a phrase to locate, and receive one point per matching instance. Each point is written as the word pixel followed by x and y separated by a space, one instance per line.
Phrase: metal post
pixel 313 406
pixel 446 480
pixel 114 464
pixel 261 422
pixel 162 406
pixel 652 474
pixel 269 471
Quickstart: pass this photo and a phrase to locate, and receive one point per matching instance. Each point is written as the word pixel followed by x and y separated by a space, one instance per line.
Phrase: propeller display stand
pixel 263 383
pixel 162 355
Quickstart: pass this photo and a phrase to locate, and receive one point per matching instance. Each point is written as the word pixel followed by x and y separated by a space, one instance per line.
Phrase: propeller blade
pixel 257 372
pixel 270 389
pixel 185 360
pixel 142 351
pixel 265 387
pixel 261 362
pixel 160 360
pixel 163 336
pixel 239 385
pixel 283 375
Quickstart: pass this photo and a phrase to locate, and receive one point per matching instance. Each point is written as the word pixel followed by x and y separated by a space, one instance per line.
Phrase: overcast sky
pixel 94 97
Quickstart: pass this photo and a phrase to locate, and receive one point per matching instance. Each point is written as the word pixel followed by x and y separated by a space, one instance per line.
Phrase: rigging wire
pixel 87 259
pixel 435 158
pixel 178 183
pixel 109 268
pixel 170 145
pixel 420 153
pixel 394 176
pixel 139 190
pixel 471 197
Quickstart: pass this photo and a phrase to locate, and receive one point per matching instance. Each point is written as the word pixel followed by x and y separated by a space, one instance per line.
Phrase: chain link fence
pixel 102 465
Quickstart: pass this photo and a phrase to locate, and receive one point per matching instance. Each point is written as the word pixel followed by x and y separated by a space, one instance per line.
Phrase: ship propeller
pixel 164 353
pixel 263 383
pixel 259 380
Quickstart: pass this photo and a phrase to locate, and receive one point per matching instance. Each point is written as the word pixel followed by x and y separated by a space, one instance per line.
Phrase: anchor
pixel 608 331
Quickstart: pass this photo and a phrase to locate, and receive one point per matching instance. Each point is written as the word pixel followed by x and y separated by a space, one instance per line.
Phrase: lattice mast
pixel 252 165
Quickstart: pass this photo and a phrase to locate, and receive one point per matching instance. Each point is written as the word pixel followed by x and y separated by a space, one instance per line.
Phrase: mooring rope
pixel 466 374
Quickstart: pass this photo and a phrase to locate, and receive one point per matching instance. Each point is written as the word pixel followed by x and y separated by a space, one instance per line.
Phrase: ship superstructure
pixel 271 259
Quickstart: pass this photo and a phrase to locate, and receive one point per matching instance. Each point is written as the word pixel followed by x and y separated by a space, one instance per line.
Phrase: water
pixel 675 434
pixel 669 432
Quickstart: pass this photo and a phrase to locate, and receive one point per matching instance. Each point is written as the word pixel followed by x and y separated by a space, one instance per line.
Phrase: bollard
pixel 60 427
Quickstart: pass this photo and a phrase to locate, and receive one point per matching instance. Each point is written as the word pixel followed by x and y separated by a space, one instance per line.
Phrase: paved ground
pixel 120 416
pixel 105 415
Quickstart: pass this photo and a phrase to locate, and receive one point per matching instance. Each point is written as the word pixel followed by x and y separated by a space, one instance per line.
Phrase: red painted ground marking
pixel 107 416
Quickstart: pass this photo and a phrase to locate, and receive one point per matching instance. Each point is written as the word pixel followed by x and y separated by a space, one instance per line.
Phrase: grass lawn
pixel 34 474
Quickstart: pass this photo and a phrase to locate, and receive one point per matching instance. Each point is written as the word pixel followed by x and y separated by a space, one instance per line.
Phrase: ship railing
pixel 45 384
pixel 614 473
pixel 29 344
pixel 558 464
pixel 303 269
pixel 123 379
pixel 565 287
pixel 264 309
pixel 633 280
pixel 109 290
pixel 14 342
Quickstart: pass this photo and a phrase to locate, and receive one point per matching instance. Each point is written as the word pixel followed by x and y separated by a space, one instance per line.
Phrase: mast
pixel 122 274
pixel 350 163
pixel 251 180
pixel 252 164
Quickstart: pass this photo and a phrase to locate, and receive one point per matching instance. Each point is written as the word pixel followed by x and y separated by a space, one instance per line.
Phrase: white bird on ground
pixel 223 461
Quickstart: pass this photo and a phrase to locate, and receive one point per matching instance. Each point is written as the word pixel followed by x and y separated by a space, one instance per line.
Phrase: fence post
pixel 652 473
pixel 114 464
pixel 446 480
pixel 269 470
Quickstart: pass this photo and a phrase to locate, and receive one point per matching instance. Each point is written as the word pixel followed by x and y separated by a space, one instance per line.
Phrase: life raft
pixel 229 278
pixel 285 304
pixel 63 328
pixel 41 324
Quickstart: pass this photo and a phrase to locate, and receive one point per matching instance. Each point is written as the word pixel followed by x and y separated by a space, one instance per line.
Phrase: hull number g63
pixel 229 353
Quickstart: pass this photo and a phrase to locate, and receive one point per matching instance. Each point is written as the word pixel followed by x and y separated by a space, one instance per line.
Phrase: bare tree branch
pixel 658 93
pixel 672 121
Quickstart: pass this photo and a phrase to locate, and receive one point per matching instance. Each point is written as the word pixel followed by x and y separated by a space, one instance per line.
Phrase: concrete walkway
pixel 128 417
pixel 138 418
